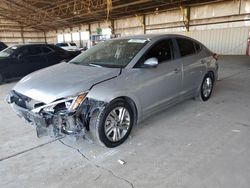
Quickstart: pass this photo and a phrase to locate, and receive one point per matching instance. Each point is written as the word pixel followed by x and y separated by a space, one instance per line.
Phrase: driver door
pixel 161 86
pixel 36 58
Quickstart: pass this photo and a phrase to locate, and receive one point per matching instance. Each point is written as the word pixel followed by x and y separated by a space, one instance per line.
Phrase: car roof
pixel 34 44
pixel 154 36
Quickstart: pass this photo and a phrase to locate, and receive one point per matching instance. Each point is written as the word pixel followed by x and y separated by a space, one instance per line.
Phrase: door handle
pixel 177 70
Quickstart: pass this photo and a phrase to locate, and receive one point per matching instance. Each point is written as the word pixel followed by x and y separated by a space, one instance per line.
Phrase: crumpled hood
pixel 62 80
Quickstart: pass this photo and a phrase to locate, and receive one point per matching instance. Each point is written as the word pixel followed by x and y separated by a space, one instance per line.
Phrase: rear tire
pixel 207 86
pixel 112 125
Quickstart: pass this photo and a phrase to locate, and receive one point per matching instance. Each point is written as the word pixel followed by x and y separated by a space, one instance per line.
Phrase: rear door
pixel 192 67
pixel 61 53
pixel 51 55
pixel 36 58
pixel 160 86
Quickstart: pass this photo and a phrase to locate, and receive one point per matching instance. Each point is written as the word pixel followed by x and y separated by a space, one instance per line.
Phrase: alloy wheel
pixel 207 87
pixel 117 124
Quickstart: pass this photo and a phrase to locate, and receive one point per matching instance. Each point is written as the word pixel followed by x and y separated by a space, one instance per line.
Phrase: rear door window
pixel 186 46
pixel 35 50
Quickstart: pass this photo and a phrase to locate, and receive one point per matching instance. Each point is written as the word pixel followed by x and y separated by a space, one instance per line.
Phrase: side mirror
pixel 151 63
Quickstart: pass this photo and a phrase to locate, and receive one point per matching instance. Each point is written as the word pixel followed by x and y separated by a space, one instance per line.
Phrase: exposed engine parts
pixel 58 122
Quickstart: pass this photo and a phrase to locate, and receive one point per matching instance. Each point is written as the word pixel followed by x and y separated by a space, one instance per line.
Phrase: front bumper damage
pixel 57 123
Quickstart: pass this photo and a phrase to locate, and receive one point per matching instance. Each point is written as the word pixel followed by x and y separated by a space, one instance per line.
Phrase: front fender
pixel 115 88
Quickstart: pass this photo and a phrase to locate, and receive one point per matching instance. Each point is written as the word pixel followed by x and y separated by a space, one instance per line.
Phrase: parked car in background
pixel 2 46
pixel 114 85
pixel 71 46
pixel 20 60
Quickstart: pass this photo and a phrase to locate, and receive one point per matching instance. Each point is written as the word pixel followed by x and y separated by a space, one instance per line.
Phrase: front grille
pixel 18 99
pixel 26 102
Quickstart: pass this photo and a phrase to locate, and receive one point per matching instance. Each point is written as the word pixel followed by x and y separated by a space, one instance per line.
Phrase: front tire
pixel 111 126
pixel 207 87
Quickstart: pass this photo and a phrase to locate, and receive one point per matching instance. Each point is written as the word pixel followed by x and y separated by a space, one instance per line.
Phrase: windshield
pixel 111 53
pixel 8 51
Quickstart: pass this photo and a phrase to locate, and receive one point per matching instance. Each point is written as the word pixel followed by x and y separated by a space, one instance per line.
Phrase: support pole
pixel 63 35
pixel 45 38
pixel 112 27
pixel 23 41
pixel 144 23
pixel 71 34
pixel 188 18
pixel 89 28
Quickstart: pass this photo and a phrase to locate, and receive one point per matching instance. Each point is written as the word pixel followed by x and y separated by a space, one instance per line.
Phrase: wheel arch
pixel 131 103
pixel 212 74
pixel 209 71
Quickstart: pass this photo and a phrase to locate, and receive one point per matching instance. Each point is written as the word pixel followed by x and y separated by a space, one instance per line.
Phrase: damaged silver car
pixel 114 85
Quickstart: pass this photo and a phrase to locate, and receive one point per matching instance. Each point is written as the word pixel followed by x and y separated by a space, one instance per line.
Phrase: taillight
pixel 215 56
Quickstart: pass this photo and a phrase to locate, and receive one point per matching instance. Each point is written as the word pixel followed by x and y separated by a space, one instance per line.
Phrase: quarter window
pixel 186 46
pixel 197 47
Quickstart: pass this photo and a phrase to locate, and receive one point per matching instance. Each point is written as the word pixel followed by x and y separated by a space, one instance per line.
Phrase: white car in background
pixel 70 46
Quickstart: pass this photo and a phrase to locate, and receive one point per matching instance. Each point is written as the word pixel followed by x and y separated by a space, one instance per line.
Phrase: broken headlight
pixel 70 104
pixel 74 103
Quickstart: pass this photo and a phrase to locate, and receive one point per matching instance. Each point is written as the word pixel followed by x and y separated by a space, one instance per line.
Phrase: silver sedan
pixel 116 84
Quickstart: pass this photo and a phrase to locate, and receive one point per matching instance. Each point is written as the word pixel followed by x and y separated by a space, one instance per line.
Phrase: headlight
pixel 70 103
pixel 73 104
